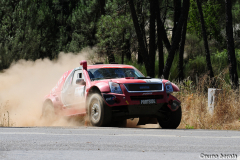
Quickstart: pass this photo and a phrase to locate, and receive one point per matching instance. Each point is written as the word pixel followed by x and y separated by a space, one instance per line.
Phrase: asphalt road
pixel 117 143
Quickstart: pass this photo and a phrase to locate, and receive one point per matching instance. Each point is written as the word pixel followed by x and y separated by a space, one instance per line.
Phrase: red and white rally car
pixel 112 93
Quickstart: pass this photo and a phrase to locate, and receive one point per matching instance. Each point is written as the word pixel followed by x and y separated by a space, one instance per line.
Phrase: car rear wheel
pixel 98 112
pixel 172 119
pixel 48 112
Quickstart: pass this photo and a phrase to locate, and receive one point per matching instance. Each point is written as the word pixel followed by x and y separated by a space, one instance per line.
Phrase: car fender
pixel 102 86
pixel 175 87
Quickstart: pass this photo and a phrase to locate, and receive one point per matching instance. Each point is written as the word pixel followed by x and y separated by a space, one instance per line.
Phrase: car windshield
pixel 108 73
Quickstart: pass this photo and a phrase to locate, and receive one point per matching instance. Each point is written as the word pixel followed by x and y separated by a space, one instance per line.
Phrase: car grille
pixel 135 98
pixel 144 87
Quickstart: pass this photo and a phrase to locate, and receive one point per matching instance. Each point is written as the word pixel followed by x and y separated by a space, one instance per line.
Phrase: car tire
pixel 99 113
pixel 48 111
pixel 172 119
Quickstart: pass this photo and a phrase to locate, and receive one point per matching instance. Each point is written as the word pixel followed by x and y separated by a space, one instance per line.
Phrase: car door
pixel 73 93
pixel 79 88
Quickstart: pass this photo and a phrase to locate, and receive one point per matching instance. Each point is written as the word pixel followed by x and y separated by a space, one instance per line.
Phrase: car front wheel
pixel 98 112
pixel 171 120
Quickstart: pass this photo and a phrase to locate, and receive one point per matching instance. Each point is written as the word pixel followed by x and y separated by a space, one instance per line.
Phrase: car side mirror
pixel 80 81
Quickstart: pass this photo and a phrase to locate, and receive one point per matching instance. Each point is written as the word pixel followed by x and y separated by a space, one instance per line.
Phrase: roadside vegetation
pixel 5 120
pixel 196 115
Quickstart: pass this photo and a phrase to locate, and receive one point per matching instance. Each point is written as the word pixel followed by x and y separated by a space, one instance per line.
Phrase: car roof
pixel 109 66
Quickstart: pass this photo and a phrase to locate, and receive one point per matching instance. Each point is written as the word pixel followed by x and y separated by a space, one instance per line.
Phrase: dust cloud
pixel 24 85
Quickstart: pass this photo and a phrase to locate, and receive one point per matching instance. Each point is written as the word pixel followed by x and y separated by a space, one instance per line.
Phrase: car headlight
pixel 115 88
pixel 169 88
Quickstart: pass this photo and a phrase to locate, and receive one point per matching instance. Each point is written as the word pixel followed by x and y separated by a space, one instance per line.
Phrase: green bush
pixel 197 66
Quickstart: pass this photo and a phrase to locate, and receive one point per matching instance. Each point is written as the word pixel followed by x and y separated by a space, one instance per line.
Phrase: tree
pixel 140 37
pixel 32 29
pixel 152 43
pixel 230 45
pixel 141 11
pixel 213 12
pixel 160 32
pixel 181 52
pixel 204 34
pixel 114 31
pixel 176 38
pixel 177 12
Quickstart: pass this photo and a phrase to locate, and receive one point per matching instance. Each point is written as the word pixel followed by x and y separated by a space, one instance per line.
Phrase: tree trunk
pixel 159 41
pixel 143 50
pixel 204 34
pixel 177 13
pixel 122 57
pixel 127 42
pixel 181 52
pixel 152 48
pixel 142 30
pixel 176 38
pixel 123 50
pixel 102 5
pixel 127 50
pixel 140 59
pixel 230 45
pixel 110 56
pixel 164 37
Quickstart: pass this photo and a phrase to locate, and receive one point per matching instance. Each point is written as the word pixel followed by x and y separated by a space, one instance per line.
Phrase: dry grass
pixel 5 120
pixel 226 115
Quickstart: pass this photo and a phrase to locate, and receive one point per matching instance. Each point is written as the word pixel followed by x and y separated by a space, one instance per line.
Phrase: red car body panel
pixel 102 85
pixel 124 99
pixel 55 94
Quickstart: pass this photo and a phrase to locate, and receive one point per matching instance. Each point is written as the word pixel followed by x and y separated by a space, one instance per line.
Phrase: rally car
pixel 112 93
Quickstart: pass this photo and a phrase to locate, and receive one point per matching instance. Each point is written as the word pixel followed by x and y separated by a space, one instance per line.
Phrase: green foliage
pixel 174 69
pixel 236 12
pixel 193 67
pixel 236 23
pixel 189 127
pixel 140 67
pixel 211 14
pixel 219 62
pixel 193 47
pixel 32 29
pixel 188 85
pixel 83 23
pixel 115 27
pixel 197 66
